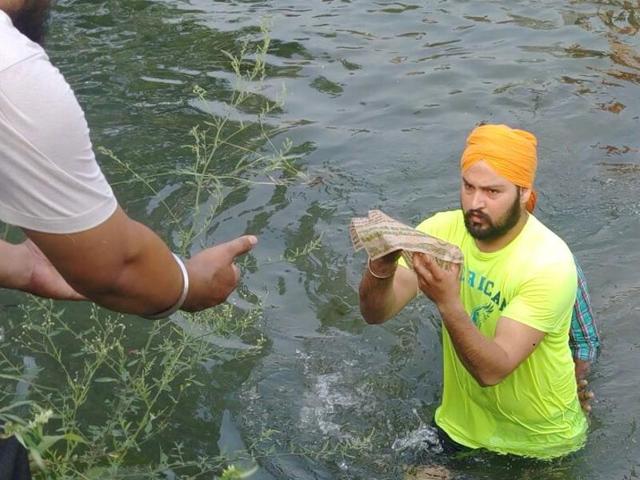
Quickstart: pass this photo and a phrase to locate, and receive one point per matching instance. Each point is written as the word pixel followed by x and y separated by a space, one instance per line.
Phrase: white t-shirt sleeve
pixel 49 178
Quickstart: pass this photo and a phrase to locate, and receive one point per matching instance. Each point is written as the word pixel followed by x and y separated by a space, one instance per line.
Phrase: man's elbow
pixel 98 289
pixel 371 313
pixel 102 285
pixel 488 382
pixel 489 379
pixel 371 317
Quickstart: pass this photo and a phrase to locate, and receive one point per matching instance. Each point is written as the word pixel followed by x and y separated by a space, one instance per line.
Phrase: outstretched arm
pixel 124 266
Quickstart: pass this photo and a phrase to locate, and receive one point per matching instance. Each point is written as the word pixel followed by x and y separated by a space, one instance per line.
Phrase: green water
pixel 379 99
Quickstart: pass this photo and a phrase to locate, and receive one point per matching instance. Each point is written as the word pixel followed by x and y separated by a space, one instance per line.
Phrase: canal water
pixel 378 97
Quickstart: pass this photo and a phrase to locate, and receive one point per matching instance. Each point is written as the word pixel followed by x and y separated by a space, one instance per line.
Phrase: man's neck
pixel 501 242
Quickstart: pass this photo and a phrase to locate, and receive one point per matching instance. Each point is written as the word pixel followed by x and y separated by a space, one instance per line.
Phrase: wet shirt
pixel 49 178
pixel 535 410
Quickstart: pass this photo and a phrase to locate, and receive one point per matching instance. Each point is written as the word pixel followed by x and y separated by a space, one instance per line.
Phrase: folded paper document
pixel 380 234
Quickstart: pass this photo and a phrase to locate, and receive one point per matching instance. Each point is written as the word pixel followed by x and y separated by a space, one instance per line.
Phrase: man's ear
pixel 525 194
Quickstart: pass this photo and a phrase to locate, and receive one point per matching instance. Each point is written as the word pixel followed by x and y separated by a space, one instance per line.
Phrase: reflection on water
pixel 380 96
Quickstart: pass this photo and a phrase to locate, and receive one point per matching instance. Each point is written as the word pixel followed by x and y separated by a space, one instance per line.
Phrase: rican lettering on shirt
pixel 487 286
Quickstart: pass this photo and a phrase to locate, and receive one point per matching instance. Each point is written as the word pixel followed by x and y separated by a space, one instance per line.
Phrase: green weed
pixel 108 386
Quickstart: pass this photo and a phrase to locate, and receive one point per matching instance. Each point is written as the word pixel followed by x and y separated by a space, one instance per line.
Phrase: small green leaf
pixel 48 441
pixel 105 380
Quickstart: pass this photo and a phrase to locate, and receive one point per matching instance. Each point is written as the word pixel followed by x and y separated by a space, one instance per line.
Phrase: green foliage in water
pixel 104 397
pixel 103 387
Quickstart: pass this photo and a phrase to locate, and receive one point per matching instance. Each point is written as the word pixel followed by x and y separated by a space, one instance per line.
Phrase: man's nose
pixel 478 200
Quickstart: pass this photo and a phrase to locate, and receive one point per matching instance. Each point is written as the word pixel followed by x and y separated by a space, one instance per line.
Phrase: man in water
pixel 81 244
pixel 509 383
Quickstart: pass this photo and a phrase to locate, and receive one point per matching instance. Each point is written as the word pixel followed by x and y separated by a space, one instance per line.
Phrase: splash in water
pixel 417 446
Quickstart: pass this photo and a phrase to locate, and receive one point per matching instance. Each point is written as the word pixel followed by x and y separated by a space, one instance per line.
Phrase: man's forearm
pixel 125 266
pixel 582 368
pixel 387 292
pixel 148 280
pixel 376 298
pixel 482 357
pixel 120 264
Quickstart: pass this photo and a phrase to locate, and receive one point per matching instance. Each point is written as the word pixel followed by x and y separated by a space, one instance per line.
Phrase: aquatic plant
pixel 99 396
pixel 231 150
pixel 108 394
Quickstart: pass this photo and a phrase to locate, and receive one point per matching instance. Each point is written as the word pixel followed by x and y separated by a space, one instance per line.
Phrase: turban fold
pixel 510 152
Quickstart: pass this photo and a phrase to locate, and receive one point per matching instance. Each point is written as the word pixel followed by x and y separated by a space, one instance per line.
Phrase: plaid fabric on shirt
pixel 584 339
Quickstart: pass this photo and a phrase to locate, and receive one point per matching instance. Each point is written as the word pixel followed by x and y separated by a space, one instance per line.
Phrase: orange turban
pixel 510 152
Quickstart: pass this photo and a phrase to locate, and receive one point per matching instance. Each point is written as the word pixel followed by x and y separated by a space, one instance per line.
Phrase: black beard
pixel 31 20
pixel 493 231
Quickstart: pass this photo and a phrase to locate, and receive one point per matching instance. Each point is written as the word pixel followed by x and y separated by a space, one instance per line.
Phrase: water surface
pixel 379 99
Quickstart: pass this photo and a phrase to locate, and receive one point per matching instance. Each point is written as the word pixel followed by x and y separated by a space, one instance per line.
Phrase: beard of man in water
pixel 492 230
pixel 31 19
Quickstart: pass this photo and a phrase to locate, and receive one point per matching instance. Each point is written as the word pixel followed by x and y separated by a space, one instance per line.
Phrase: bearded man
pixel 509 384
pixel 81 244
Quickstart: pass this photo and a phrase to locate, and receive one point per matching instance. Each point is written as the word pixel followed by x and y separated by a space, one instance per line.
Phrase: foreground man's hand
pixel 45 280
pixel 441 286
pixel 213 274
pixel 33 273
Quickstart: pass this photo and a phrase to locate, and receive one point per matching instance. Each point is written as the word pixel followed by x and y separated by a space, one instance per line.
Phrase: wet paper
pixel 379 234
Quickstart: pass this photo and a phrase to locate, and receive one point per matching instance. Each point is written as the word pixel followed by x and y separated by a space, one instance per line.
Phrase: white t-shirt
pixel 49 179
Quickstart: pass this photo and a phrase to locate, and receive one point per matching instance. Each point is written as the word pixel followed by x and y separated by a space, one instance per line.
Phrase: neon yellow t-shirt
pixel 535 411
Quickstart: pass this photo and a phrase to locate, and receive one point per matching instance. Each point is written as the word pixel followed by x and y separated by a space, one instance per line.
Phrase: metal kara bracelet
pixel 183 296
pixel 375 275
